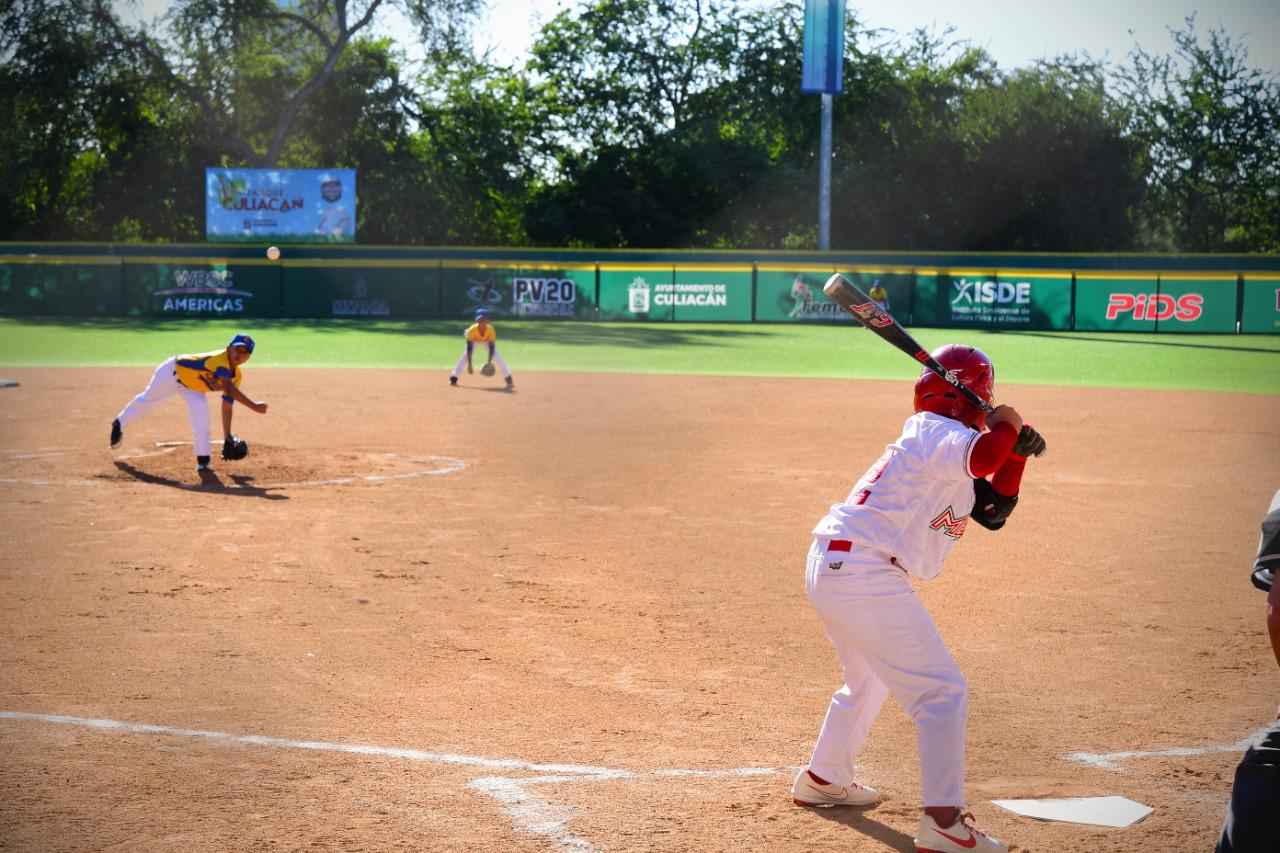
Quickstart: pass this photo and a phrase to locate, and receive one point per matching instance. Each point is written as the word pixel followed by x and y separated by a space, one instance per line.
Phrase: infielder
pixel 880 296
pixel 192 377
pixel 481 332
pixel 899 523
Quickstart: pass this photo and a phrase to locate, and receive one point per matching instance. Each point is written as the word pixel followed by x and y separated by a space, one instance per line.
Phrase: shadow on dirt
pixel 860 820
pixel 209 482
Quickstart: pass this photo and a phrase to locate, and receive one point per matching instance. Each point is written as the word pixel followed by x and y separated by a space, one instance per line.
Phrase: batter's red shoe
pixel 961 837
pixel 807 791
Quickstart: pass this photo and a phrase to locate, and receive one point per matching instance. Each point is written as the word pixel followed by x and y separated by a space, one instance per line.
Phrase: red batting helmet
pixel 975 371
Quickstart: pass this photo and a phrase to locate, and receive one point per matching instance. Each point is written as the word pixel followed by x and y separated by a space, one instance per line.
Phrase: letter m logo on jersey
pixel 947 523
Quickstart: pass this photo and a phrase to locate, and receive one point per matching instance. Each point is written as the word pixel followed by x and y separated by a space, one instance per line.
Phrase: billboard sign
pixel 201 287
pixel 823 57
pixel 286 205
pixel 1260 310
pixel 532 291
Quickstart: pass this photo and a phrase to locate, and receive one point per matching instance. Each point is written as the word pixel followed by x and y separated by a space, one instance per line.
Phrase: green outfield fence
pixel 1152 293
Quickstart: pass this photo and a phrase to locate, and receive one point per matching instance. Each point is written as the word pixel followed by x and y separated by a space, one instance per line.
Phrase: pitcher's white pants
pixel 502 365
pixel 164 384
pixel 887 643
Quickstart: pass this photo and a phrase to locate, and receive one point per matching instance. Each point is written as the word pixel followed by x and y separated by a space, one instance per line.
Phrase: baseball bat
pixel 864 309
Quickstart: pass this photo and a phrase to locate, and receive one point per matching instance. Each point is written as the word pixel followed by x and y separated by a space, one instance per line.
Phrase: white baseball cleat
pixel 961 837
pixel 806 791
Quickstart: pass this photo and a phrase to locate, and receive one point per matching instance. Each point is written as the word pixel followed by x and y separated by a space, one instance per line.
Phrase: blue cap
pixel 482 312
pixel 242 341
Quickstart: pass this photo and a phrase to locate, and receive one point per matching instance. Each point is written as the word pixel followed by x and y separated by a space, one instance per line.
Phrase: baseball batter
pixel 1255 793
pixel 192 377
pixel 898 524
pixel 481 332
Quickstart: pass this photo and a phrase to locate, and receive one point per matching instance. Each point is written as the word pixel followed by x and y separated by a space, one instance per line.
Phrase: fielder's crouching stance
pixel 899 522
pixel 481 332
pixel 193 376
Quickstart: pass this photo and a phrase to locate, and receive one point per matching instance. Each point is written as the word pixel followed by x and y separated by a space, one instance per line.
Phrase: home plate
pixel 1098 811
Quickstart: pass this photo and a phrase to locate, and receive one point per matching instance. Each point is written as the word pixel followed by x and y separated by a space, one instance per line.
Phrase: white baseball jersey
pixel 913 504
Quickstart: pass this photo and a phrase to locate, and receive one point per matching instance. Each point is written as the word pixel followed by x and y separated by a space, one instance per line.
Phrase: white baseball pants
pixel 164 384
pixel 887 644
pixel 462 362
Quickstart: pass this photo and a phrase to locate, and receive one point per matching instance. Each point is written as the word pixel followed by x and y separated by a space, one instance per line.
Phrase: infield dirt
pixel 602 571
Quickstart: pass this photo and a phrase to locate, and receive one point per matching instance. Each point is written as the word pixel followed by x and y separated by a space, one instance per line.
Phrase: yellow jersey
pixel 197 372
pixel 475 336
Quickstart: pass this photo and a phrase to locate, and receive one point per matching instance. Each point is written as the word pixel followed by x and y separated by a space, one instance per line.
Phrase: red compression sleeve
pixel 1009 477
pixel 992 449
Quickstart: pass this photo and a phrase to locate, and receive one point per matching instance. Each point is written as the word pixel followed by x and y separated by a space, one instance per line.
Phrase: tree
pixel 53 84
pixel 476 156
pixel 250 66
pixel 1210 129
pixel 646 138
pixel 1051 167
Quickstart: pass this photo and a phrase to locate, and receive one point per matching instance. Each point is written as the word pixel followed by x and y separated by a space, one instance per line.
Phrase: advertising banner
pixel 465 288
pixel 942 296
pixel 1261 308
pixel 629 292
pixel 202 287
pixel 1197 302
pixel 284 205
pixel 823 48
pixel 1003 299
pixel 1017 299
pixel 891 289
pixel 1114 302
pixel 361 289
pixel 554 292
pixel 524 291
pixel 87 285
pixel 792 294
pixel 714 294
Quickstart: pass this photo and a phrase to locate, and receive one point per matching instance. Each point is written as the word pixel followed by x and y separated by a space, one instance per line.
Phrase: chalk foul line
pixel 527 811
pixel 1111 760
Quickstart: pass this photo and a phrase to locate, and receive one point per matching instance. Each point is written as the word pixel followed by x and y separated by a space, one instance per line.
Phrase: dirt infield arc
pixel 597 610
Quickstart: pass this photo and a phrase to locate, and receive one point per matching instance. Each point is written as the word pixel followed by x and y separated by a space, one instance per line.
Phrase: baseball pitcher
pixel 192 377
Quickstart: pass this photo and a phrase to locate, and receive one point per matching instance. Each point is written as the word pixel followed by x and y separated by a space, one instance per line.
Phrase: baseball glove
pixel 488 369
pixel 235 448
pixel 1029 443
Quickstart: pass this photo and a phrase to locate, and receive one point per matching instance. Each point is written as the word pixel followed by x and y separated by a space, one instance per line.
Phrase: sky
pixel 1014 32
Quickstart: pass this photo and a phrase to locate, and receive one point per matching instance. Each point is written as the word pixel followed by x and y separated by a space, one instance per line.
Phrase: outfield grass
pixel 1241 363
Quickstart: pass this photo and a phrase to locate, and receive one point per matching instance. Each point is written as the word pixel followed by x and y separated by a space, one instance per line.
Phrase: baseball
pixel 273 253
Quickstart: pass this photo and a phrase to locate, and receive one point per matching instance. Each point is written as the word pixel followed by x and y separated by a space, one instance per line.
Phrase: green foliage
pixel 1051 166
pixel 636 123
pixel 477 160
pixel 1209 130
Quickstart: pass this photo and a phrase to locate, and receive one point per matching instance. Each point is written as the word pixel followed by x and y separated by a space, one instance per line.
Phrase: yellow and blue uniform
pixel 199 371
pixel 192 378
pixel 879 295
pixel 477 335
